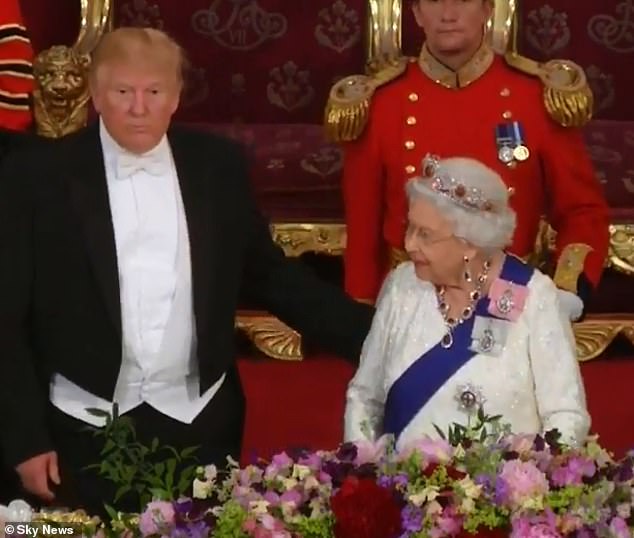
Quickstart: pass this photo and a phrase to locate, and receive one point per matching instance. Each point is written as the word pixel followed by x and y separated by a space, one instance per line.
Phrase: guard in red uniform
pixel 459 98
pixel 16 70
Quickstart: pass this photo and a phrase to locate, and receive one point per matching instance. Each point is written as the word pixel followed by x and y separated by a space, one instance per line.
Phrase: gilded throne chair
pixel 261 71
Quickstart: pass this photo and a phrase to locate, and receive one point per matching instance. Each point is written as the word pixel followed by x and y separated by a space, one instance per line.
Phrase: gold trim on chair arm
pixel 594 335
pixel 384 33
pixel 299 238
pixel 621 253
pixel 94 22
pixel 271 336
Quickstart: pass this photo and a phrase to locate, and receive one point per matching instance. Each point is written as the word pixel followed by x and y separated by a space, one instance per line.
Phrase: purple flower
pixel 412 518
pixel 347 452
pixel 573 472
pixel 291 496
pixel 157 518
pixel 312 461
pixel 619 528
pixel 196 529
pixel 282 460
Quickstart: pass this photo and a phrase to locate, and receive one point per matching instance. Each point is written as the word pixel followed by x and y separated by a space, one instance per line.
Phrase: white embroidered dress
pixel 532 378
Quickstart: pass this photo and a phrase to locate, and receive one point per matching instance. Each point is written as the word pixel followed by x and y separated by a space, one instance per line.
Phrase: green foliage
pixel 154 472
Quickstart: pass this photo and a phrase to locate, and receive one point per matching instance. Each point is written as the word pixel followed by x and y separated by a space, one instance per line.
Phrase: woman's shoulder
pixel 402 282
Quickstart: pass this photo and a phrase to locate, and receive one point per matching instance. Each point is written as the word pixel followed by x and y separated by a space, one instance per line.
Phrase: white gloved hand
pixel 570 304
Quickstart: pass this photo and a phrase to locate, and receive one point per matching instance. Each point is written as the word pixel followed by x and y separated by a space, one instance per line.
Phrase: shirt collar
pixel 112 149
pixel 468 73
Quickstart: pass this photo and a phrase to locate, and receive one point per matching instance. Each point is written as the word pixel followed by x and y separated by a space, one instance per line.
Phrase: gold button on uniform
pixel 507 115
pixel 410 169
pixel 413 97
pixel 505 92
pixel 410 144
pixel 411 120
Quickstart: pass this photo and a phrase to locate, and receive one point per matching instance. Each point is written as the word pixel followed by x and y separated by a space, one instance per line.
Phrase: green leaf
pixel 187 452
pixel 121 492
pixel 440 432
pixel 155 444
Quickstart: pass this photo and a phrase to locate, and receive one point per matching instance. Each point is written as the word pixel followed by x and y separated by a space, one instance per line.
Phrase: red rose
pixel 363 509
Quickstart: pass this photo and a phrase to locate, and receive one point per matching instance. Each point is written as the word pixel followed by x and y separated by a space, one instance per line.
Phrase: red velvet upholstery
pixel 264 61
pixel 293 404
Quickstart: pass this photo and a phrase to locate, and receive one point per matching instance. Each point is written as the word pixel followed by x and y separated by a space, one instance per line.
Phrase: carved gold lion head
pixel 61 76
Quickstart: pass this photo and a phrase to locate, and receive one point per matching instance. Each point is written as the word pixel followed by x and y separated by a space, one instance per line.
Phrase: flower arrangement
pixel 473 481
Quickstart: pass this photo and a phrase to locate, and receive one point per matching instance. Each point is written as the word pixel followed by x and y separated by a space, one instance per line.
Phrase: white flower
pixel 259 508
pixel 426 495
pixel 211 472
pixel 301 471
pixel 201 489
pixel 470 488
pixel 289 483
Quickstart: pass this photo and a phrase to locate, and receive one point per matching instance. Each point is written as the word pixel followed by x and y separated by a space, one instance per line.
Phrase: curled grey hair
pixel 486 230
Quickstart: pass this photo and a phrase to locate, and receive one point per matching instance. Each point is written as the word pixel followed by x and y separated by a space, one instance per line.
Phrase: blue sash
pixel 413 389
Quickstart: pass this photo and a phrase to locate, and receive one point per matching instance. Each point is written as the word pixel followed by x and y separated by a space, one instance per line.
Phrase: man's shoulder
pixel 203 137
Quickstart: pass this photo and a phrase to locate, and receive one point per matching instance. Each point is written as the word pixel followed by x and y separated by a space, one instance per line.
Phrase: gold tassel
pixel 567 96
pixel 348 108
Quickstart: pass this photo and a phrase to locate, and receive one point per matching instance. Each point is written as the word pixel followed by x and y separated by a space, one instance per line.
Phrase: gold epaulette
pixel 567 95
pixel 570 266
pixel 348 104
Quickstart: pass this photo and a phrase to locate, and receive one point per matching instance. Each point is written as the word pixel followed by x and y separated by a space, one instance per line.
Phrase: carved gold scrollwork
pixel 593 336
pixel 272 337
pixel 621 254
pixel 298 239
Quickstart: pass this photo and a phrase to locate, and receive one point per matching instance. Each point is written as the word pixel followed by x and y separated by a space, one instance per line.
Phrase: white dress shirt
pixel 532 379
pixel 158 363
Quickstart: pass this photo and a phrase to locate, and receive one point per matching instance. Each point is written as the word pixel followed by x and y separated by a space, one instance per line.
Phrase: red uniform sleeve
pixel 578 211
pixel 16 77
pixel 363 194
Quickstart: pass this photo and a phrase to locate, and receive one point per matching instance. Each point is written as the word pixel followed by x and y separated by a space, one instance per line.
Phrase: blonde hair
pixel 133 44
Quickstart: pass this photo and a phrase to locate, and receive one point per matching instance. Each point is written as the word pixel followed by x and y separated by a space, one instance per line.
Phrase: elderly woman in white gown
pixel 464 325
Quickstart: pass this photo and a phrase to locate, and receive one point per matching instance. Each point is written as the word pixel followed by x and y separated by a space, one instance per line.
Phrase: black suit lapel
pixel 89 197
pixel 192 166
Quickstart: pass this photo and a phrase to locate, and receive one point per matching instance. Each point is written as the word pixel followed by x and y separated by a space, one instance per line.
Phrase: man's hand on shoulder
pixel 36 472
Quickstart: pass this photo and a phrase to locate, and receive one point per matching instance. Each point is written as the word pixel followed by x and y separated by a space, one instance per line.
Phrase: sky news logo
pixel 35 530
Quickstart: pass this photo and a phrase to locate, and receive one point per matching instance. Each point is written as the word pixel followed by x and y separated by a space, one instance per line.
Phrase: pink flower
pixel 522 444
pixel 619 528
pixel 157 518
pixel 432 450
pixel 521 483
pixel 536 528
pixel 369 451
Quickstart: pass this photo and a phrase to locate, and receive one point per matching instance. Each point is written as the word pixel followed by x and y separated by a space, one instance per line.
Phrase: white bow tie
pixel 127 165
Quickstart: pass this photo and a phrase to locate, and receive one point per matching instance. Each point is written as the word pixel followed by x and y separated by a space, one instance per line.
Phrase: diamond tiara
pixel 441 182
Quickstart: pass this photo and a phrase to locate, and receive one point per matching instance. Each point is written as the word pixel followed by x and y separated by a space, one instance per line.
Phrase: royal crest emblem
pixel 238 24
pixel 547 30
pixel 289 87
pixel 338 27
pixel 323 162
pixel 140 13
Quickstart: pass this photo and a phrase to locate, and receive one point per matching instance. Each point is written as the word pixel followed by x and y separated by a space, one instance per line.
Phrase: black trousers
pixel 217 431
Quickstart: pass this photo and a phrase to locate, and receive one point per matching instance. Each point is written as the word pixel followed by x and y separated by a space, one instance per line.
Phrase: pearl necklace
pixel 451 323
